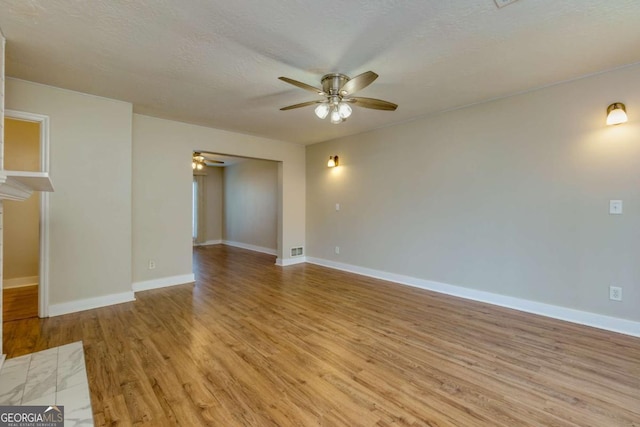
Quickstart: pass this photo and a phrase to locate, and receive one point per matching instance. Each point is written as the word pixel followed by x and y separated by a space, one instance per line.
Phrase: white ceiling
pixel 217 62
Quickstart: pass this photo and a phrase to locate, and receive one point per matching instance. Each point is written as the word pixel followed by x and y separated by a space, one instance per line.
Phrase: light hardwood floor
pixel 252 344
pixel 19 303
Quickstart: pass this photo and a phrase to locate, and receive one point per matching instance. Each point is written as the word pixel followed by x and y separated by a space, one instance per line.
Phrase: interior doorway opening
pixel 25 260
pixel 21 225
pixel 236 201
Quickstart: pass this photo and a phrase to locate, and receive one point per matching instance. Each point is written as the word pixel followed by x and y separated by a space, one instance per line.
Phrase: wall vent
pixel 297 251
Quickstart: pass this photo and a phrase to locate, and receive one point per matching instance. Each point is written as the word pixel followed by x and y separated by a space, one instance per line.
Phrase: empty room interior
pixel 421 213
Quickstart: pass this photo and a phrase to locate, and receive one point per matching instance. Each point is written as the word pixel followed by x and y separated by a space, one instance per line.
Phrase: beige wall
pixel 21 241
pixel 90 210
pixel 213 203
pixel 250 203
pixel 509 197
pixel 162 179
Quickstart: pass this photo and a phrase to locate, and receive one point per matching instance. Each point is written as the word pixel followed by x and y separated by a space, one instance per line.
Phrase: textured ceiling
pixel 216 62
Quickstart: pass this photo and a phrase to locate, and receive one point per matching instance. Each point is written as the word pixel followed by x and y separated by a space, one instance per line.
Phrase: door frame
pixel 43 285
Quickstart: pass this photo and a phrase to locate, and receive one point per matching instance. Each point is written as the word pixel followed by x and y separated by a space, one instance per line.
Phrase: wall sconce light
pixel 333 162
pixel 616 113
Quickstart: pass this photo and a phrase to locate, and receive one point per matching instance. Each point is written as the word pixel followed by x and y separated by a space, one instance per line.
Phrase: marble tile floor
pixel 54 376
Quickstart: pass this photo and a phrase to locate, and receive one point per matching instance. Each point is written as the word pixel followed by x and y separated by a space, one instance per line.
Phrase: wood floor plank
pixel 253 344
pixel 19 303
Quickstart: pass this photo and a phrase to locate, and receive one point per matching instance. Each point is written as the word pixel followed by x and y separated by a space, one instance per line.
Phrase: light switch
pixel 615 207
pixel 337 206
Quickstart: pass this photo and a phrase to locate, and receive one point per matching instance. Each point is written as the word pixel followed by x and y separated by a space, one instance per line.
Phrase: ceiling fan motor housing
pixel 332 83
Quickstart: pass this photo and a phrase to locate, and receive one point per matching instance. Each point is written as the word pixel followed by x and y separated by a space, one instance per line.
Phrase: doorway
pixel 21 224
pixel 235 202
pixel 25 224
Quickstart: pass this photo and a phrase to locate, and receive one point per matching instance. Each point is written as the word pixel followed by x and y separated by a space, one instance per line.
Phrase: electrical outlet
pixel 615 293
pixel 338 250
pixel 152 264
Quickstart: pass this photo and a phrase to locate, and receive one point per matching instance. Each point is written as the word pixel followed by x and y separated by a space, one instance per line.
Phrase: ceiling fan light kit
pixel 201 159
pixel 337 90
pixel 338 112
pixel 197 161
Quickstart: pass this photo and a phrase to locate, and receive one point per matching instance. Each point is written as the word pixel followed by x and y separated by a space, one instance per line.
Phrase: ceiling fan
pixel 199 160
pixel 336 92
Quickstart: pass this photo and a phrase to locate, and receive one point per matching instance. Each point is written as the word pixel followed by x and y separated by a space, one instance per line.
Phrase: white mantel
pixel 19 185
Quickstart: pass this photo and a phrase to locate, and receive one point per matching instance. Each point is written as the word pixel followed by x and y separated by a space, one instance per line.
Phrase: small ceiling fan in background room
pixel 199 160
pixel 337 100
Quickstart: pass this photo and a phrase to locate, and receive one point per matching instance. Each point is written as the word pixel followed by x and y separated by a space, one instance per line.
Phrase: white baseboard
pixel 290 261
pixel 600 321
pixel 163 282
pixel 20 282
pixel 250 247
pixel 208 243
pixel 90 303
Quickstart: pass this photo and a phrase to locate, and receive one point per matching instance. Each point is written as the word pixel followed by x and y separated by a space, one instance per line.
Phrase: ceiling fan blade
pixel 303 104
pixel 302 85
pixel 359 82
pixel 376 104
pixel 213 162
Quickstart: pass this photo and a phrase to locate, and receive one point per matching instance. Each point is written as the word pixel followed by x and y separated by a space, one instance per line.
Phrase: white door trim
pixel 43 288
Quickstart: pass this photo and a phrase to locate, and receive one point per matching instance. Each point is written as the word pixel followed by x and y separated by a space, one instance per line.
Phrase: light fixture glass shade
pixel 335 116
pixel 194 165
pixel 200 166
pixel 331 163
pixel 322 110
pixel 344 109
pixel 616 114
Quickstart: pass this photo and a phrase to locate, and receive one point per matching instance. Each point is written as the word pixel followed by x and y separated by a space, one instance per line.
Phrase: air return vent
pixel 297 251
